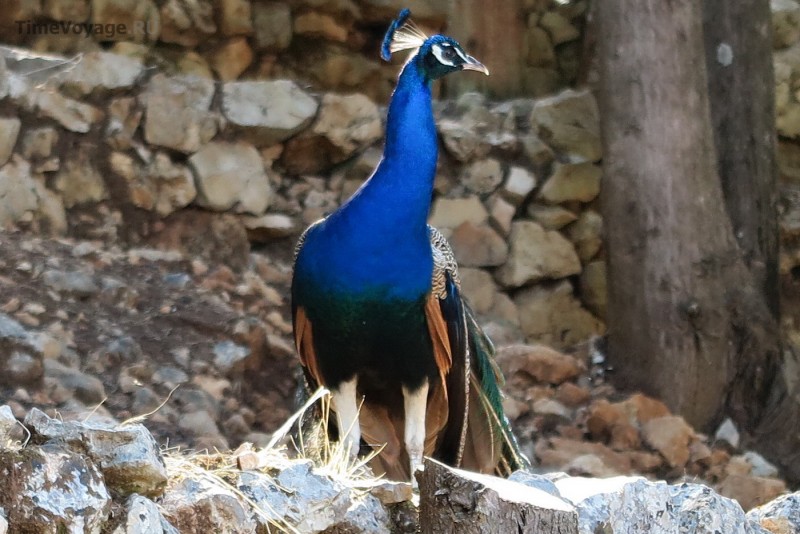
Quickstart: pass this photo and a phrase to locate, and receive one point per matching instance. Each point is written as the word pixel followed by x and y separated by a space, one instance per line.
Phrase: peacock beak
pixel 474 64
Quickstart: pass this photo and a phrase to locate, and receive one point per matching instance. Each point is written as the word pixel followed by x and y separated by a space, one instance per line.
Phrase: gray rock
pixel 230 357
pixel 21 368
pixel 537 254
pixel 86 388
pixel 78 283
pixel 308 501
pixel 143 517
pixel 103 70
pixel 781 516
pixel 177 112
pixel 570 123
pixel 192 503
pixel 632 505
pixel 8 424
pixel 365 516
pixel 55 491
pixel 9 130
pixel 127 455
pixel 231 175
pixel 268 112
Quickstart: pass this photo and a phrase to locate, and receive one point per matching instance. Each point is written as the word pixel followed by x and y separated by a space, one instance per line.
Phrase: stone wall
pixel 109 148
pixel 328 44
pixel 135 138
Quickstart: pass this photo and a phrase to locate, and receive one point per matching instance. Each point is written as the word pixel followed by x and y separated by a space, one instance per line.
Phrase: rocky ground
pixel 206 354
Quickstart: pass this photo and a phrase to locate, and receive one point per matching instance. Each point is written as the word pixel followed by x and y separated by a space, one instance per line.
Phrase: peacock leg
pixel 415 404
pixel 346 405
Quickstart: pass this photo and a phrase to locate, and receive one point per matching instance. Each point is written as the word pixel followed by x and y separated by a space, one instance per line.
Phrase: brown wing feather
pixel 304 341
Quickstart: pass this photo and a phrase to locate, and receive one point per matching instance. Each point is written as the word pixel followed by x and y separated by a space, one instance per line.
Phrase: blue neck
pixel 377 242
pixel 397 196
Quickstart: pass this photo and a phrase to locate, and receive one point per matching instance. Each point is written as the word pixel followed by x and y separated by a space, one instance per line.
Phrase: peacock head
pixel 437 56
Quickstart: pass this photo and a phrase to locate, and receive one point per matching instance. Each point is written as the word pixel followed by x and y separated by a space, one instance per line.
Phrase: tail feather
pixel 489 430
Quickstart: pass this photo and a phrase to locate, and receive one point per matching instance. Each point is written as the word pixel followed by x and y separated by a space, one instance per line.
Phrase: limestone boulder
pixel 178 112
pixel 9 131
pixel 572 182
pixel 267 112
pixel 104 71
pixel 552 315
pixel 587 234
pixel 478 246
pixel 570 123
pixel 537 254
pixel 452 212
pixel 344 125
pixel 139 18
pixel 231 175
pixel 785 23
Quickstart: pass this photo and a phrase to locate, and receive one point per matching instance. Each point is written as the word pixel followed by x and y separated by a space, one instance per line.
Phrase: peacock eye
pixel 449 53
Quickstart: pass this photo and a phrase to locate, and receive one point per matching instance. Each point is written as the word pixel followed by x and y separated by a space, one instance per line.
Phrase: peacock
pixel 377 311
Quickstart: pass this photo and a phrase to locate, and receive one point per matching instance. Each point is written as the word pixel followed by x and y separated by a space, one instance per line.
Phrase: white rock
pixel 231 175
pixel 103 70
pixel 728 433
pixel 267 111
pixel 518 185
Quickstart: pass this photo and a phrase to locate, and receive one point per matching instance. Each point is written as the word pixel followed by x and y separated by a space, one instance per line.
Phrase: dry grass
pixel 222 469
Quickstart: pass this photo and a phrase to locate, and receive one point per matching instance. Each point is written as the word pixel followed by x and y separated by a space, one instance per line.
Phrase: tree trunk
pixel 459 502
pixel 687 321
pixel 738 38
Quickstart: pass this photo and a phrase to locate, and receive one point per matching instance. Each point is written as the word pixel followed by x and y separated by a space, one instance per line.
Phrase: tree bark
pixel 687 321
pixel 459 502
pixel 738 39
